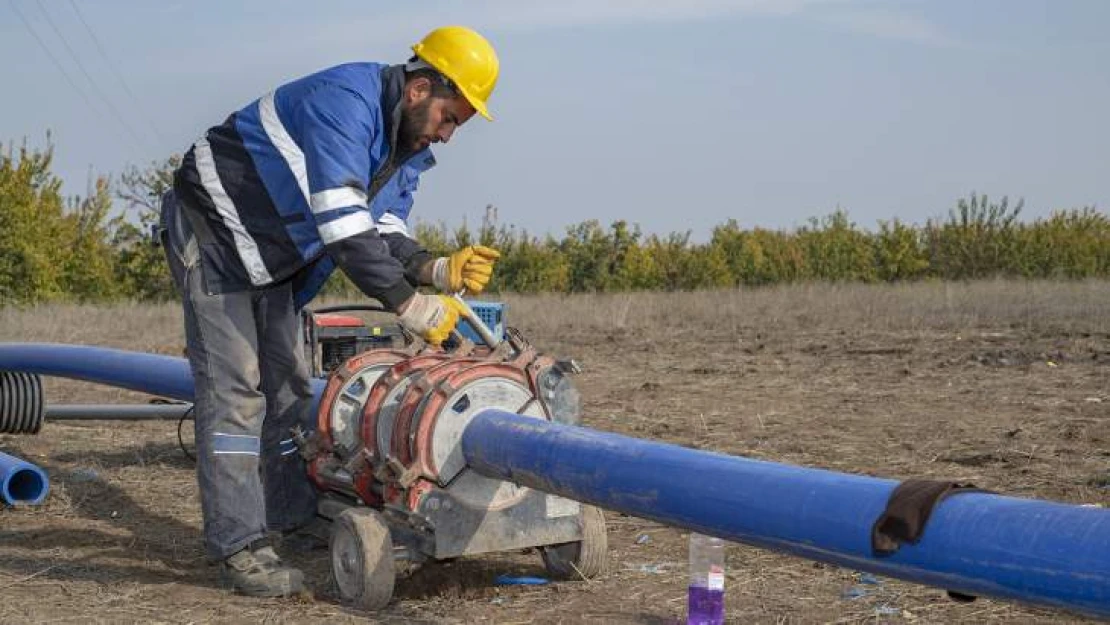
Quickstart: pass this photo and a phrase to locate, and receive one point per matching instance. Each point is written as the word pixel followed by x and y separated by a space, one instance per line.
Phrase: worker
pixel 315 175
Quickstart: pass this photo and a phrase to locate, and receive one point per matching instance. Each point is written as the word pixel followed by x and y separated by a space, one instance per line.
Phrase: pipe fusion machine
pixel 387 453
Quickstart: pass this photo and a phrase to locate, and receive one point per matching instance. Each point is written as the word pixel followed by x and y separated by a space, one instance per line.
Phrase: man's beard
pixel 413 122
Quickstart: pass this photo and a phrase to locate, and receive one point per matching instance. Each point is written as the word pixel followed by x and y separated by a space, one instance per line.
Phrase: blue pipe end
pixel 22 483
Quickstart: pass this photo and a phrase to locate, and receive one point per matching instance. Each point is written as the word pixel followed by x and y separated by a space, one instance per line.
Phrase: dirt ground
pixel 1006 385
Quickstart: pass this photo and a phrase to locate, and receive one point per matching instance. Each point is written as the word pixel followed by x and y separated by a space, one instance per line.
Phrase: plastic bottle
pixel 706 598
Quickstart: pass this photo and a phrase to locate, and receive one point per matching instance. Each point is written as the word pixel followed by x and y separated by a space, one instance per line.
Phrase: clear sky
pixel 672 114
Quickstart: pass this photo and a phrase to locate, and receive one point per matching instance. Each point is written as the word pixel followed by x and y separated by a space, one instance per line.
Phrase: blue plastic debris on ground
pixel 512 580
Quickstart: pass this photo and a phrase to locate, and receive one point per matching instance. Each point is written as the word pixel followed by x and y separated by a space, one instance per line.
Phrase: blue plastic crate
pixel 491 313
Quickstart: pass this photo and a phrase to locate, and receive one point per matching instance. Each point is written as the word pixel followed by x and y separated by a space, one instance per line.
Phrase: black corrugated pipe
pixel 21 403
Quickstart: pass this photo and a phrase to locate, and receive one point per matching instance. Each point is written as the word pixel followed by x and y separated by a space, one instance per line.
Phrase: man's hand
pixel 469 268
pixel 430 316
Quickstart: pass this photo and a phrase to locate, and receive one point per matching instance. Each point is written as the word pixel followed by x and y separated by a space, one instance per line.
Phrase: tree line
pixel 54 248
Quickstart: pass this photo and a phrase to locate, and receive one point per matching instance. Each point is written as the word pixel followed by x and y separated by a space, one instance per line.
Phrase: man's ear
pixel 418 89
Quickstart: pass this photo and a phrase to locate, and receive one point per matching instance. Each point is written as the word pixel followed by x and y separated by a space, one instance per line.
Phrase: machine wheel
pixel 584 558
pixel 362 558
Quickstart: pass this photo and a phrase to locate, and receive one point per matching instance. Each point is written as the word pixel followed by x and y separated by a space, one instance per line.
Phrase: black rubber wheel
pixel 362 558
pixel 586 558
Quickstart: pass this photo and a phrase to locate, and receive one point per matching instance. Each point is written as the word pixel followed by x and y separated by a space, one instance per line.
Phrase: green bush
pixel 978 240
pixel 52 249
pixel 900 252
pixel 141 269
pixel 1069 244
pixel 836 250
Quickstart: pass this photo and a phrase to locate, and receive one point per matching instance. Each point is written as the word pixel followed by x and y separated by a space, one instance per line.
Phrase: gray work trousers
pixel 252 387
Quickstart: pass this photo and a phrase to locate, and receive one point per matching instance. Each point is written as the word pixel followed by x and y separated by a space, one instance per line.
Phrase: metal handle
pixel 479 326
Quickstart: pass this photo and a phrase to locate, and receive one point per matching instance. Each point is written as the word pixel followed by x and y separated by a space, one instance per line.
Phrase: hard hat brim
pixel 478 105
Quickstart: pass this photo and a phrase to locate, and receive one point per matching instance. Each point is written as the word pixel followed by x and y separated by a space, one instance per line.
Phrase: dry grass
pixel 1063 306
pixel 1001 383
pixel 141 327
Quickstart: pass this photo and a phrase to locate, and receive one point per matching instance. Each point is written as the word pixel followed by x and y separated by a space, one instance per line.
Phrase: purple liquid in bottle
pixel 705 606
pixel 706 592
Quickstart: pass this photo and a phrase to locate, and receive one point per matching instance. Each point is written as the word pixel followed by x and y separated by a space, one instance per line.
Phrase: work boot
pixel 260 573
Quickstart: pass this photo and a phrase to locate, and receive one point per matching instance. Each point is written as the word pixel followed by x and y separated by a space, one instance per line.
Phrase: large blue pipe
pixel 975 543
pixel 1025 550
pixel 165 376
pixel 21 482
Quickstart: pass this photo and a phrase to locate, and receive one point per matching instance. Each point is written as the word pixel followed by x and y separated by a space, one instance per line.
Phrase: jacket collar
pixel 393 84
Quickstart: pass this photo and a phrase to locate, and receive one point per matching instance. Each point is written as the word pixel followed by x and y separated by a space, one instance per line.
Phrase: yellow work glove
pixel 430 316
pixel 469 268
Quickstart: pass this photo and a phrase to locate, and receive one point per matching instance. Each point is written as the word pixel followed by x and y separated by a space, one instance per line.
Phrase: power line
pixel 113 68
pixel 54 59
pixel 96 89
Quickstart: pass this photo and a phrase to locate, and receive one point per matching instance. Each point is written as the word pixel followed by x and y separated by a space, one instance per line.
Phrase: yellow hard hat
pixel 466 58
